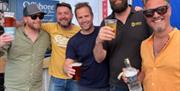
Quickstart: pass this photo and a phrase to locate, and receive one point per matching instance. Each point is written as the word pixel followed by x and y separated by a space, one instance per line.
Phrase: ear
pixel 25 19
pixel 169 10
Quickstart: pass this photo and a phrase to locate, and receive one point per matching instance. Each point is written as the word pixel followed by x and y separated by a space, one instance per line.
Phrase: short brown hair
pixel 83 4
pixel 64 5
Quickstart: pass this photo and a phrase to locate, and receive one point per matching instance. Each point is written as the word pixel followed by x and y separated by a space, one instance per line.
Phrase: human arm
pixel 70 58
pixel 5 39
pixel 47 26
pixel 68 67
pixel 105 34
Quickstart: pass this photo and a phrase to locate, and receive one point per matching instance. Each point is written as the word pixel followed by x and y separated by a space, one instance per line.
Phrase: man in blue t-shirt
pixel 93 75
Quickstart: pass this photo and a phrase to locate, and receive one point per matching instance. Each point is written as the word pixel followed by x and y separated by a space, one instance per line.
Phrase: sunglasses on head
pixel 34 17
pixel 160 10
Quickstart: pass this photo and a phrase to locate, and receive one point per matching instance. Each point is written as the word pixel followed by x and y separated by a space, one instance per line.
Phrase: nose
pixel 83 20
pixel 156 14
pixel 63 15
pixel 38 19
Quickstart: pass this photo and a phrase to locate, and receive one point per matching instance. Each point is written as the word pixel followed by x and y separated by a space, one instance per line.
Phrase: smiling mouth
pixel 85 23
pixel 64 20
pixel 157 20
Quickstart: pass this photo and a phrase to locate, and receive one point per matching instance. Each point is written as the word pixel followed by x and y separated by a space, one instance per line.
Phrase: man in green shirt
pixel 25 52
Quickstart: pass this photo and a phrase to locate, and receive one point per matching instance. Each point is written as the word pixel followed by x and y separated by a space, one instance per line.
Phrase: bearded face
pixel 118 6
pixel 64 16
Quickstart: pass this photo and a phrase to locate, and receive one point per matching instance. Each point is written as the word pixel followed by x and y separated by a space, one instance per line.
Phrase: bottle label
pixel 133 82
pixel 130 73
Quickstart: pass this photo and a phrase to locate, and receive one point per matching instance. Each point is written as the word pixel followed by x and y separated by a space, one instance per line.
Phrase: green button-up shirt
pixel 23 70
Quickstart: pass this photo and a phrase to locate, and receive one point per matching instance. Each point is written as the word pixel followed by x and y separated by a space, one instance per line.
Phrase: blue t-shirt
pixel 80 48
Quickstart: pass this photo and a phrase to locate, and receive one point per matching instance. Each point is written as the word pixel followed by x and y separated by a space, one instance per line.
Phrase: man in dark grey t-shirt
pixel 131 30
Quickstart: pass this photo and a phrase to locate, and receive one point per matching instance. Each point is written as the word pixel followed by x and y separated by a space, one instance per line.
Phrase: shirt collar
pixel 23 31
pixel 150 39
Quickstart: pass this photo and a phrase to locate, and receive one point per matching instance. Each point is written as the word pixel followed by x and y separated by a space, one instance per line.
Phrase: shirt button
pixel 152 84
pixel 154 68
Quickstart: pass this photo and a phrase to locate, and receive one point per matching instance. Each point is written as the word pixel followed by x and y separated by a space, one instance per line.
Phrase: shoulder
pixel 45 35
pixel 97 29
pixel 75 37
pixel 138 18
pixel 44 32
pixel 50 24
pixel 75 27
pixel 177 32
pixel 74 40
pixel 20 28
pixel 138 15
pixel 146 41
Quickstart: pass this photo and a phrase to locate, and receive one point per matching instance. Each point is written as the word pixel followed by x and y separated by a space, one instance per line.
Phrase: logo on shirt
pixel 134 24
pixel 61 40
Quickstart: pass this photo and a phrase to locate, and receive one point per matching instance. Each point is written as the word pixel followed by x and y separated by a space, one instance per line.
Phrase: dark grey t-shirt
pixel 126 44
